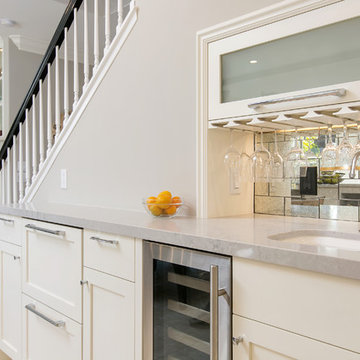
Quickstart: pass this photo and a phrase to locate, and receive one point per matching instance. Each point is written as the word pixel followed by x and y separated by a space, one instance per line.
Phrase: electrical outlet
pixel 63 179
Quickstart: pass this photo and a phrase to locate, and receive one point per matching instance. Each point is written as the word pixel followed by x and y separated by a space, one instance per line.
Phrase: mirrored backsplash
pixel 337 198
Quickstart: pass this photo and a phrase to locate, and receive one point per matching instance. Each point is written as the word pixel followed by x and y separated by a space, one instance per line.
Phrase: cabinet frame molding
pixel 256 19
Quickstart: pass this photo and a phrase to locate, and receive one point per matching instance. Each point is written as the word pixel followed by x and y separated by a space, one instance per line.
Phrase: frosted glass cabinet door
pixel 311 52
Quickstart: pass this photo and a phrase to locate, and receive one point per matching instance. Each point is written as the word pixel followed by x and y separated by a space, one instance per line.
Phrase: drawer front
pixel 315 305
pixel 112 254
pixel 10 229
pixel 52 269
pixel 48 334
pixel 263 342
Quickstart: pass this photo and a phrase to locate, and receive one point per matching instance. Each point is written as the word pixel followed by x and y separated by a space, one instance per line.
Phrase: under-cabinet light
pixel 253 61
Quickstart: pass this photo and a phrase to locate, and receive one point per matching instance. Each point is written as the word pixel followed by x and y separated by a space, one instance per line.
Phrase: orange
pixel 151 200
pixel 164 199
pixel 171 210
pixel 155 210
pixel 176 200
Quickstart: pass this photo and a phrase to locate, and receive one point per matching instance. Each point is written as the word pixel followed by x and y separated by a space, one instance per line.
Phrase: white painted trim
pixel 89 92
pixel 268 15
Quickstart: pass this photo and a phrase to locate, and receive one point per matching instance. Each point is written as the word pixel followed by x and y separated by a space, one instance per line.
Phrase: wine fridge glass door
pixel 187 304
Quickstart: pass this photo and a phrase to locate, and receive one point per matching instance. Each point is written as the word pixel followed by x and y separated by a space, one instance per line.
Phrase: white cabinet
pixel 109 317
pixel 48 334
pixel 314 305
pixel 275 54
pixel 263 342
pixel 10 300
pixel 53 266
pixel 112 254
pixel 10 229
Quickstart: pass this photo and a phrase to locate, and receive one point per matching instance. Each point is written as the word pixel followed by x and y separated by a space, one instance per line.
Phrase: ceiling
pixel 35 19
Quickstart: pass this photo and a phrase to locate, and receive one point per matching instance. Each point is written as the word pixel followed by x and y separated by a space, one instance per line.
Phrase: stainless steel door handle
pixel 7 220
pixel 114 242
pixel 214 311
pixel 47 231
pixel 32 308
pixel 336 92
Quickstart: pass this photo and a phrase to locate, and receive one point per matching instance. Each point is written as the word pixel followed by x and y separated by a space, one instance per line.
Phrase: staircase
pixel 86 42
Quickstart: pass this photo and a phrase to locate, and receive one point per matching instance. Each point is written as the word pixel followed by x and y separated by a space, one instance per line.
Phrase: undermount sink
pixel 338 240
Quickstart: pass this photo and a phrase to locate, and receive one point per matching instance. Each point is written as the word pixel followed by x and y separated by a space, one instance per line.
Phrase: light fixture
pixel 7 22
pixel 253 61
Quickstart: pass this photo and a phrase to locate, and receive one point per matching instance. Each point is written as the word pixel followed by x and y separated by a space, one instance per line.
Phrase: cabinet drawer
pixel 52 271
pixel 315 305
pixel 48 334
pixel 112 254
pixel 10 229
pixel 263 342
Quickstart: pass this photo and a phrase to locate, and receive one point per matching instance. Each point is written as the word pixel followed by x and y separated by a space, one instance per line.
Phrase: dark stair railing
pixel 57 40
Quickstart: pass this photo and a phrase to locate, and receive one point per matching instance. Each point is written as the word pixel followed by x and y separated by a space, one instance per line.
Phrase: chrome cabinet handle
pixel 32 308
pixel 16 257
pixel 114 242
pixel 214 311
pixel 7 220
pixel 47 231
pixel 336 92
pixel 237 340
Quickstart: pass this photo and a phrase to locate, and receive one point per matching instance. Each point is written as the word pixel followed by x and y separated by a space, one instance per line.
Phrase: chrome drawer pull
pixel 16 257
pixel 7 220
pixel 31 308
pixel 237 340
pixel 336 92
pixel 114 242
pixel 52 232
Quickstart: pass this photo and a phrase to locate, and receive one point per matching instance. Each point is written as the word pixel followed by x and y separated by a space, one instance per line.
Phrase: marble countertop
pixel 244 236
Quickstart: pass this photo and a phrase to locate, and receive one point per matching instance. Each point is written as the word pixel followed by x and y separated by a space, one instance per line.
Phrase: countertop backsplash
pixel 333 201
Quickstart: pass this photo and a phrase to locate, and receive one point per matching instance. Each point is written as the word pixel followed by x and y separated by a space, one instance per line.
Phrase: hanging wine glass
pixel 344 153
pixel 357 147
pixel 277 166
pixel 232 161
pixel 261 161
pixel 245 168
pixel 328 155
pixel 295 160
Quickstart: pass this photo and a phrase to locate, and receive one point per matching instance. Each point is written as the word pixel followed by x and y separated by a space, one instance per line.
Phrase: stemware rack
pixel 304 119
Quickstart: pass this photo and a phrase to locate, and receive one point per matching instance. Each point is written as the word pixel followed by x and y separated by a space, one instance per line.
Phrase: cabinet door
pixel 108 317
pixel 264 342
pixel 281 59
pixel 49 335
pixel 53 266
pixel 10 300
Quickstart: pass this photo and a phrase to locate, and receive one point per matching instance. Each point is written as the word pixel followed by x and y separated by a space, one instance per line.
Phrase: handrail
pixel 49 56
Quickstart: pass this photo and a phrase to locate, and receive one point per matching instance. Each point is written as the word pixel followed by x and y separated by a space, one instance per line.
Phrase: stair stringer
pixel 108 59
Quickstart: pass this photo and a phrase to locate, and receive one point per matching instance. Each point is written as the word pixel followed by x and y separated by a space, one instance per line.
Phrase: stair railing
pixel 47 106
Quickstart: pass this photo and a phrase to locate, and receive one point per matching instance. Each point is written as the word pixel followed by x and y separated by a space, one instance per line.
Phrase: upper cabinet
pixel 293 55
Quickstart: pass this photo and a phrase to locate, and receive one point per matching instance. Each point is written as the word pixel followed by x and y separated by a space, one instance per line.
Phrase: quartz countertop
pixel 244 236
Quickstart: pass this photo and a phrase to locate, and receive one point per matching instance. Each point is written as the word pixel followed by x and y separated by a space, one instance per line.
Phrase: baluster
pixel 27 151
pixel 107 24
pixel 96 35
pixel 34 140
pixel 14 169
pixel 57 94
pixel 76 61
pixel 66 76
pixel 21 163
pixel 3 187
pixel 86 45
pixel 41 124
pixel 49 112
pixel 132 5
pixel 120 15
pixel 8 177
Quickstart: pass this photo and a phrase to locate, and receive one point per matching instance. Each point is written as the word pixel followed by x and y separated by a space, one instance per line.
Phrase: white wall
pixel 138 134
pixel 19 71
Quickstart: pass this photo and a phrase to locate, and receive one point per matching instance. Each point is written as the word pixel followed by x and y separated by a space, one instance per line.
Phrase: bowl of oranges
pixel 163 205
